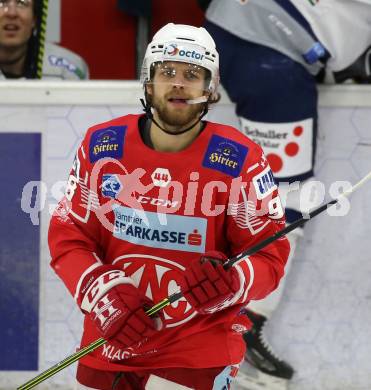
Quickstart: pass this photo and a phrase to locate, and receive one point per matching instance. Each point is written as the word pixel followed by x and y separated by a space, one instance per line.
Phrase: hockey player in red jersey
pixel 155 203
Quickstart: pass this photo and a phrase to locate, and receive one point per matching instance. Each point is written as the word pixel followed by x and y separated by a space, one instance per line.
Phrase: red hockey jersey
pixel 150 213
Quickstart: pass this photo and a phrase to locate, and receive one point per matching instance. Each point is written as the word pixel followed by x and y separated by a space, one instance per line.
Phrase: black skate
pixel 262 369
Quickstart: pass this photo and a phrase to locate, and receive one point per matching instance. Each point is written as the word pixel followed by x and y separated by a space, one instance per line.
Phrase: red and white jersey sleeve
pixel 254 214
pixel 74 232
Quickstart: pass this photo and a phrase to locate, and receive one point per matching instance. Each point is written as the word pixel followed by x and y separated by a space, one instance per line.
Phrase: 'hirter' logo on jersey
pixel 107 142
pixel 264 183
pixel 225 155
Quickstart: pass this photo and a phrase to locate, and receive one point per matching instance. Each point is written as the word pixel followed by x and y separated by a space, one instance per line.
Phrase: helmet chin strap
pixel 149 115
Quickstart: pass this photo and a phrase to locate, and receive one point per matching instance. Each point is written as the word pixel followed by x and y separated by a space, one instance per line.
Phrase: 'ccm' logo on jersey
pixel 264 183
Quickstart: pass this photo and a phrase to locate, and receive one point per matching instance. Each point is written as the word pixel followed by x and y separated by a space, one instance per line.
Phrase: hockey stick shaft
pixel 86 350
pixel 61 365
pixel 42 38
pixel 300 222
pixel 176 296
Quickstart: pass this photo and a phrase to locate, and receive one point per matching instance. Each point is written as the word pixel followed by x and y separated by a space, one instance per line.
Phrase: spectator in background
pixel 273 52
pixel 23 50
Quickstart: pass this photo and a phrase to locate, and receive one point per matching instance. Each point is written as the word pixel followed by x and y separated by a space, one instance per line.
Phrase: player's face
pixel 173 84
pixel 16 22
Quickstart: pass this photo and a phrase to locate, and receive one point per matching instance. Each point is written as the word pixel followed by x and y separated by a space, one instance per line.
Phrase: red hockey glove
pixel 208 287
pixel 116 306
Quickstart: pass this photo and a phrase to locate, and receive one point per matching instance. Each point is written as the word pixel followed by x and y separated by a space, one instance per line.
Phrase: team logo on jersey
pixel 264 183
pixel 161 177
pixel 181 233
pixel 225 155
pixel 107 142
pixel 111 186
pixel 159 277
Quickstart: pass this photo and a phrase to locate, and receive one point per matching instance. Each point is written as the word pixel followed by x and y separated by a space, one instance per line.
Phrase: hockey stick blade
pixel 176 296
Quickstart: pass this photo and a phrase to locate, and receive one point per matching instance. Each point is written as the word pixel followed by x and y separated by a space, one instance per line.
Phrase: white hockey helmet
pixel 183 43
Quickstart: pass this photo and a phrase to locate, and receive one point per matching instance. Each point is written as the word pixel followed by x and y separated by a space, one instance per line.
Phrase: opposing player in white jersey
pixel 23 51
pixel 273 54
